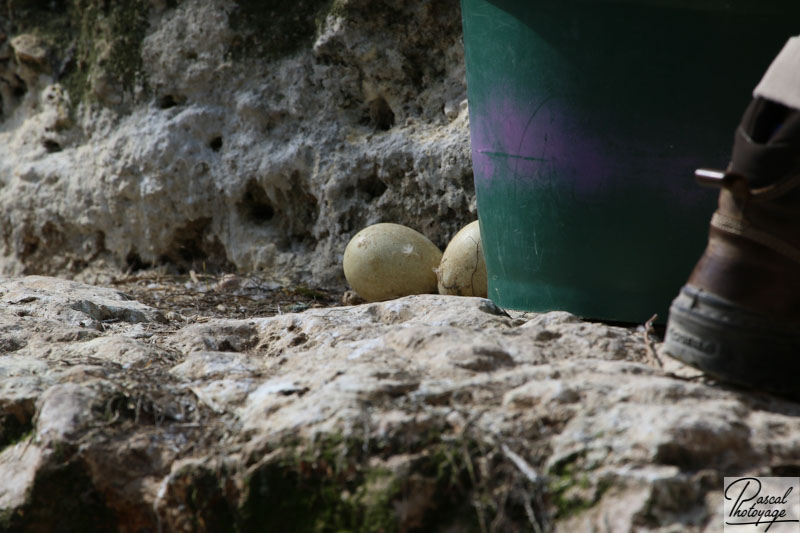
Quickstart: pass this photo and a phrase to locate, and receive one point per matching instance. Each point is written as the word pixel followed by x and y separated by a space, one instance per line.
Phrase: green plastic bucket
pixel 587 120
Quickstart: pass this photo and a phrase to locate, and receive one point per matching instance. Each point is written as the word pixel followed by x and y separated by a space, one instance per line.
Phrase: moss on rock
pixel 337 486
pixel 110 40
pixel 571 490
pixel 95 45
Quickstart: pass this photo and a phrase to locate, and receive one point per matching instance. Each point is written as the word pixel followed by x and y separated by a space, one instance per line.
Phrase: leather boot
pixel 738 316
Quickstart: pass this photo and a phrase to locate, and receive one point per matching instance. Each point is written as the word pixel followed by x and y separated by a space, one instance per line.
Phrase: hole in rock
pixel 194 248
pixel 51 146
pixel 380 114
pixel 20 88
pixel 187 245
pixel 255 204
pixel 30 244
pixel 468 183
pixel 372 186
pixel 302 217
pixel 215 144
pixel 134 262
pixel 14 426
pixel 167 101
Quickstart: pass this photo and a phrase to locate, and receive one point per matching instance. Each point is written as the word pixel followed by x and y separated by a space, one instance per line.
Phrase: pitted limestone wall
pixel 227 134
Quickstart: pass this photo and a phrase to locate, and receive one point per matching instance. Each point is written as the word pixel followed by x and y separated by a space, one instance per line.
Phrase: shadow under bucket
pixel 587 120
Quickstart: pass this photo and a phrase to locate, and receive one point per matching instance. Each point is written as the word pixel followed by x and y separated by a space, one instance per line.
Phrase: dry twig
pixel 652 356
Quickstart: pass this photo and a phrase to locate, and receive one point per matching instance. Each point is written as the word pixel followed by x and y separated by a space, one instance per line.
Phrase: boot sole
pixel 733 344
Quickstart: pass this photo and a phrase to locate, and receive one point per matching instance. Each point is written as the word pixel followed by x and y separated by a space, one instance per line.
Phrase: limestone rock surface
pixel 227 134
pixel 419 414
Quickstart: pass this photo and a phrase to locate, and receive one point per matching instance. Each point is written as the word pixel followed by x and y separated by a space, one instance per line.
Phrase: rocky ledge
pixel 427 413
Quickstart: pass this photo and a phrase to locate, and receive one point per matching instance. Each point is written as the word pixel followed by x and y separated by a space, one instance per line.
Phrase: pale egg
pixel 462 271
pixel 386 261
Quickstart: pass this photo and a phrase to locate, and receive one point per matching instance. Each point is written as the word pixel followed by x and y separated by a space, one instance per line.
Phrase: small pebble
pixel 352 298
pixel 228 283
pixel 451 110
